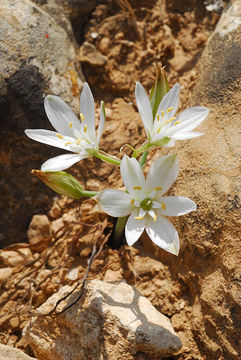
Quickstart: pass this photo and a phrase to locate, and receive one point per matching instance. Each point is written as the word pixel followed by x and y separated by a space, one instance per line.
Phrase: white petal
pixel 132 176
pixel 61 162
pixel 49 137
pixel 190 119
pixel 177 205
pixel 171 99
pixel 144 107
pixel 115 203
pixel 60 115
pixel 102 121
pixel 134 228
pixel 163 173
pixel 163 234
pixel 87 108
pixel 186 135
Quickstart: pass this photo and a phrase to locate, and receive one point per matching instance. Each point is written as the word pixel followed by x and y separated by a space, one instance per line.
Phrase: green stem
pixel 118 231
pixel 143 158
pixel 107 158
pixel 86 193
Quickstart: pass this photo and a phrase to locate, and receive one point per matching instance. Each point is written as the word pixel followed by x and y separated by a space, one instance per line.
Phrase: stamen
pixel 60 136
pixel 163 114
pixel 158 117
pixel 81 117
pixel 157 188
pixel 163 206
pixel 139 217
pixel 136 188
pixel 159 129
pixel 71 124
pixel 169 109
pixel 155 218
pixel 132 202
pixel 68 143
pixel 78 141
pixel 85 128
pixel 172 118
pixel 177 122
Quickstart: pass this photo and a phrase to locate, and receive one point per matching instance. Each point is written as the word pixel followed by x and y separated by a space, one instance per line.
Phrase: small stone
pixel 111 275
pixel 93 185
pixel 11 353
pixel 39 229
pixel 14 322
pixel 104 46
pixel 55 211
pixel 15 258
pixel 89 54
pixel 111 319
pixel 57 225
pixel 5 273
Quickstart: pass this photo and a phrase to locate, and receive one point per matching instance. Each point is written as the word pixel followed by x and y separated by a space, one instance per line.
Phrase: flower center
pixel 146 204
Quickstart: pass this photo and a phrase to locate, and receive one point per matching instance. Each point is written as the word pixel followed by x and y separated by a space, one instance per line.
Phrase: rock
pixel 15 258
pixel 39 228
pixel 37 58
pixel 111 321
pixel 89 54
pixel 5 273
pixel 210 175
pixel 112 275
pixel 10 353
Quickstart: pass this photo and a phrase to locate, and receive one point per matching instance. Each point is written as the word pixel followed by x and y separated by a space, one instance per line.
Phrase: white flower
pixel 165 123
pixel 76 136
pixel 145 202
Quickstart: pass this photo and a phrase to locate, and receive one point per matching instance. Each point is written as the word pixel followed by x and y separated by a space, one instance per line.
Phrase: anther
pixel 155 218
pixel 71 124
pixel 172 118
pixel 81 117
pixel 136 188
pixel 158 117
pixel 68 143
pixel 139 217
pixel 157 188
pixel 177 122
pixel 163 114
pixel 60 136
pixel 132 202
pixel 78 141
pixel 169 109
pixel 163 206
pixel 85 128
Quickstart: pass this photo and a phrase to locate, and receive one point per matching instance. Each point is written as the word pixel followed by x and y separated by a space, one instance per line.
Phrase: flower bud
pixel 159 89
pixel 61 182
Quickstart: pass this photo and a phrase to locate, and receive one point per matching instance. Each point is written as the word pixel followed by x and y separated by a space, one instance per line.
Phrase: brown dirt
pixel 161 35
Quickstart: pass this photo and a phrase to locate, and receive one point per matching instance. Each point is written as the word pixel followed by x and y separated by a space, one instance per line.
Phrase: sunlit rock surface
pixel 113 320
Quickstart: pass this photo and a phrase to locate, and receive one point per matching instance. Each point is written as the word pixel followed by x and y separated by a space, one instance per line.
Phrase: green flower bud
pixel 159 89
pixel 61 182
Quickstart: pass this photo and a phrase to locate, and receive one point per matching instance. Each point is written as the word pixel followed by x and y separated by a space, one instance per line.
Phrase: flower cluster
pixel 143 205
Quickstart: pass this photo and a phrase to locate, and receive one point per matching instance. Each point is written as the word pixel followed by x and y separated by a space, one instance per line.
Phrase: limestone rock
pixel 37 58
pixel 39 228
pixel 15 258
pixel 10 353
pixel 210 175
pixel 112 320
